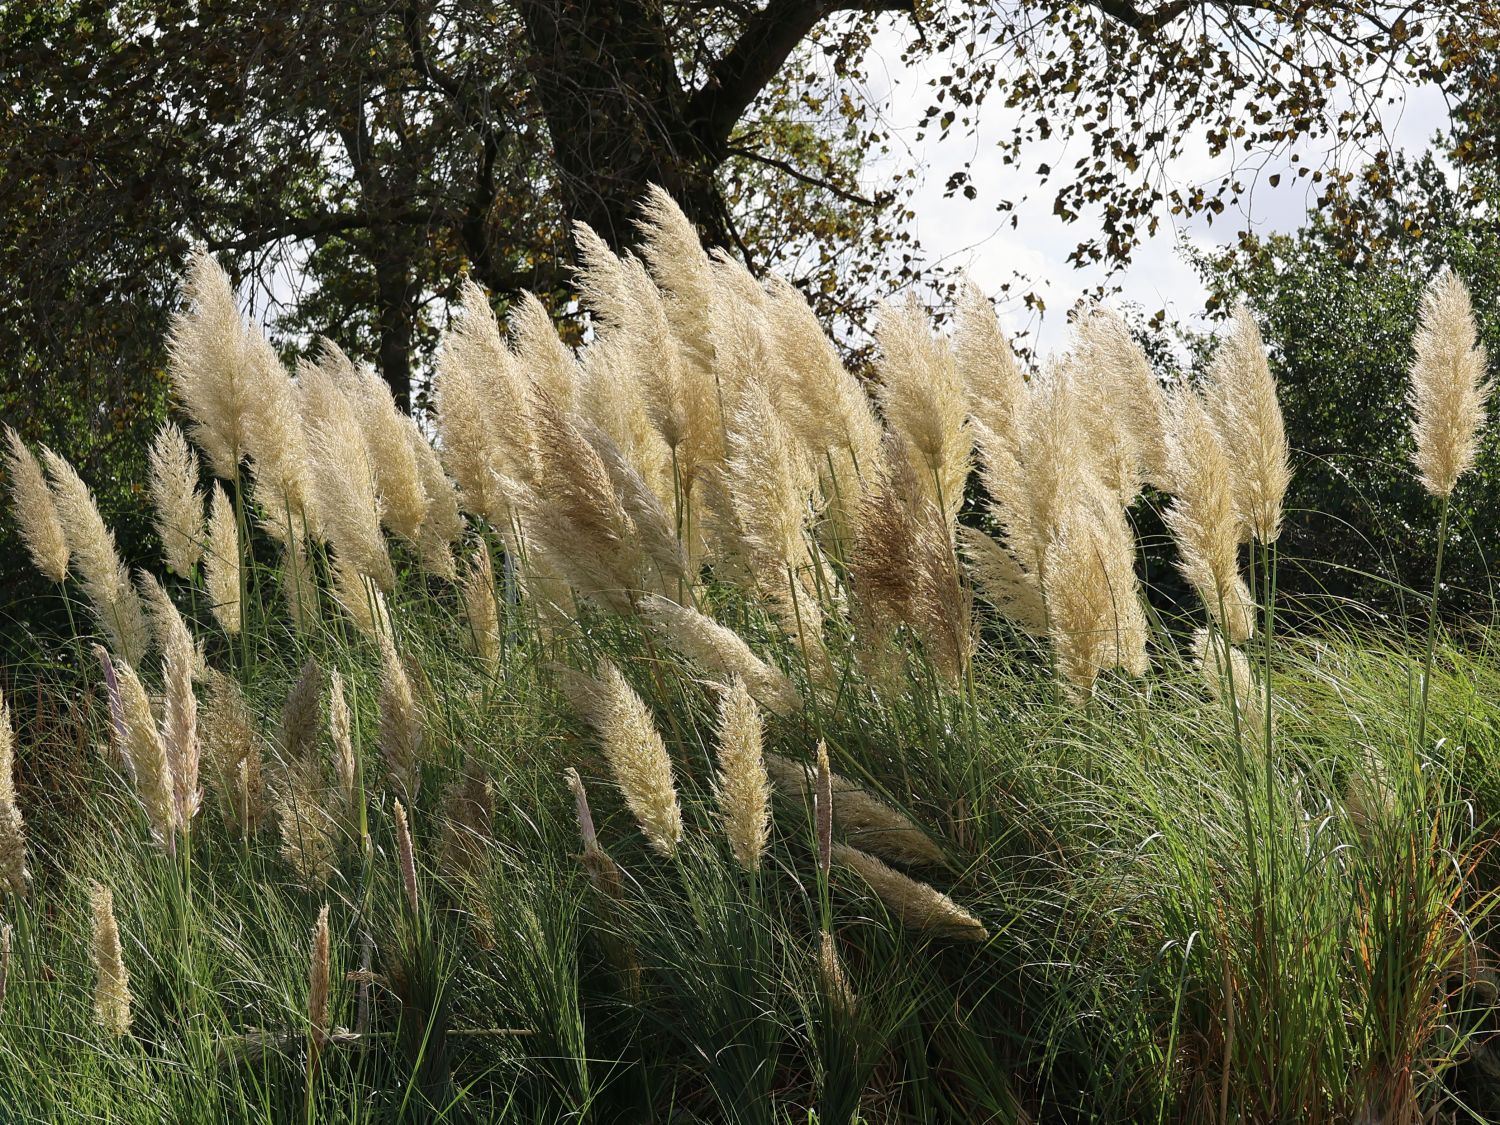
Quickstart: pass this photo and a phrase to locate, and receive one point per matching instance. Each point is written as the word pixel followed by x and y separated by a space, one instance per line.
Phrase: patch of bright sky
pixel 974 236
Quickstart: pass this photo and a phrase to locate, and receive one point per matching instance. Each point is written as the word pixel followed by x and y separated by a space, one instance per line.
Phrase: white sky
pixel 973 235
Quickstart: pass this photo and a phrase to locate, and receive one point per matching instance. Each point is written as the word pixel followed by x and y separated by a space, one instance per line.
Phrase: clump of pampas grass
pixel 177 499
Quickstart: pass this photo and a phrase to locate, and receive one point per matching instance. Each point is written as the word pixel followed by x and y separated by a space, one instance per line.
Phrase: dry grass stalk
pixel 299 585
pixel 177 500
pixel 1448 385
pixel 111 981
pixel 602 871
pixel 221 562
pixel 865 820
pixel 917 905
pixel 744 790
pixel 639 761
pixel 401 731
pixel 1240 397
pixel 722 652
pixel 823 808
pixel 319 976
pixel 91 547
pixel 7 937
pixel 1204 521
pixel 35 510
pixel 14 875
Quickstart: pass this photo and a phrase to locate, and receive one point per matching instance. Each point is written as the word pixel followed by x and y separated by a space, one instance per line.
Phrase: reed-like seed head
pixel 744 789
pixel 14 875
pixel 1449 386
pixel 917 905
pixel 602 871
pixel 35 511
pixel 177 499
pixel 723 653
pixel 836 987
pixel 480 610
pixel 300 713
pixel 179 724
pixel 638 759
pixel 111 981
pixel 341 733
pixel 823 808
pixel 221 562
pixel 406 858
pixel 308 831
pixel 232 745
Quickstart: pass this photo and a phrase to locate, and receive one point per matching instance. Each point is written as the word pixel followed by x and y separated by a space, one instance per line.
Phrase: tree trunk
pixel 394 315
pixel 604 74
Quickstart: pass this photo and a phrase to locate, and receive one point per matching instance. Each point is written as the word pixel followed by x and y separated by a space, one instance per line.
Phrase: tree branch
pixel 768 38
pixel 783 166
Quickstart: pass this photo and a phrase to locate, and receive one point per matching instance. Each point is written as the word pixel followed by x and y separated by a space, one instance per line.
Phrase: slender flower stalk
pixel 319 976
pixel 602 871
pixel 1448 392
pixel 35 510
pixel 179 724
pixel 111 981
pixel 480 610
pixel 7 937
pixel 406 857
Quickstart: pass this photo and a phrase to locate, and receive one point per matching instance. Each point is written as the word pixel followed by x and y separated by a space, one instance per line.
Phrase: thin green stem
pixel 1432 624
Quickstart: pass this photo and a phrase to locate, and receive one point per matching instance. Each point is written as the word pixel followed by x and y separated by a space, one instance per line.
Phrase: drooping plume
pixel 91 546
pixel 1240 397
pixel 1121 408
pixel 1449 387
pixel 35 510
pixel 722 652
pixel 994 387
pixel 480 611
pixel 150 764
pixel 916 905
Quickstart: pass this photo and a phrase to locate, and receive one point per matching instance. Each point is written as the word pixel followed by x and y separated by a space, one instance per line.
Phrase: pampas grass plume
pixel 340 731
pixel 480 610
pixel 13 872
pixel 150 764
pixel 221 562
pixel 319 977
pixel 722 652
pixel 406 857
pixel 917 905
pixel 35 510
pixel 1448 385
pixel 401 733
pixel 744 789
pixel 638 759
pixel 177 499
pixel 111 981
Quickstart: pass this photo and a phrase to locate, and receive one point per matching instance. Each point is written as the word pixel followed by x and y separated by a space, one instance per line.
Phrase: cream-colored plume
pixel 361 600
pixel 864 819
pixel 35 510
pixel 221 562
pixel 233 746
pixel 91 546
pixel 924 402
pixel 994 387
pixel 14 875
pixel 442 522
pixel 1204 521
pixel 1449 386
pixel 111 981
pixel 1094 614
pixel 836 987
pixel 671 247
pixel 406 857
pixel 744 790
pixel 480 611
pixel 177 499
pixel 308 832
pixel 1014 591
pixel 1121 407
pixel 179 723
pixel 401 731
pixel 1240 397
pixel 638 759
pixel 392 458
pixel 540 351
pixel 349 504
pixel 722 653
pixel 299 585
pixel 150 764
pixel 341 734
pixel 917 905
